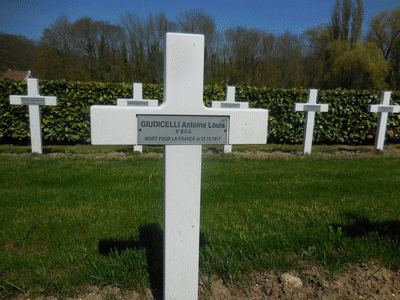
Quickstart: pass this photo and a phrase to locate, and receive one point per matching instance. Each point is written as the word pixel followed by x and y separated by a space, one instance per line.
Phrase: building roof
pixel 17 74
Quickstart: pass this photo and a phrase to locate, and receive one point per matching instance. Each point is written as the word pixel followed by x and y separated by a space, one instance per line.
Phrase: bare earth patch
pixel 354 282
pixel 365 281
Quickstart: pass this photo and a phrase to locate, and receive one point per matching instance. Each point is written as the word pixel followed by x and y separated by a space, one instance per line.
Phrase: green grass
pixel 67 222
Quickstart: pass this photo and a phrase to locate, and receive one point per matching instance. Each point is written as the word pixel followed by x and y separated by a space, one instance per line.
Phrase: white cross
pixel 383 109
pixel 310 107
pixel 229 103
pixel 34 100
pixel 137 101
pixel 182 124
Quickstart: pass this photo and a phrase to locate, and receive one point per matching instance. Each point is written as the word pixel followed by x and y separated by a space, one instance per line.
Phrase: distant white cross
pixel 229 103
pixel 310 107
pixel 137 101
pixel 383 109
pixel 182 124
pixel 34 100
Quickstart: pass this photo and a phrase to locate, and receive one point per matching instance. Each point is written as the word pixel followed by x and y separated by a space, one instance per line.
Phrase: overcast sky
pixel 31 17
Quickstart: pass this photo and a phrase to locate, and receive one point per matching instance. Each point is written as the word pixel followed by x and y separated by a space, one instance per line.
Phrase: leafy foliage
pixel 362 67
pixel 347 121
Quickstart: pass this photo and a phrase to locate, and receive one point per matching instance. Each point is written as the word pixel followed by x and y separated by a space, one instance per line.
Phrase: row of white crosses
pixel 34 101
pixel 384 108
pixel 182 124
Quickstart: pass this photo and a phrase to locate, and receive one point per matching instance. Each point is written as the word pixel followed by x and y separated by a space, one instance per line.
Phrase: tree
pixel 287 51
pixel 17 53
pixel 336 16
pixel 357 21
pixel 385 32
pixel 316 41
pixel 362 67
pixel 196 21
pixel 347 19
pixel 55 56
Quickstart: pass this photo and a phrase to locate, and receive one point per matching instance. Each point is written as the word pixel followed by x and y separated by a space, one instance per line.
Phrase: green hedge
pixel 347 122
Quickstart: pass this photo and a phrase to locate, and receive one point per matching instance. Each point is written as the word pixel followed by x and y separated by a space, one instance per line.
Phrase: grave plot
pixel 311 107
pixel 34 100
pixel 384 108
pixel 182 124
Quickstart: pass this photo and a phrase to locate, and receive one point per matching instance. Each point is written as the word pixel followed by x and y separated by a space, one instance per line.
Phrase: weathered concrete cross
pixel 182 124
pixel 383 109
pixel 137 101
pixel 229 103
pixel 310 107
pixel 34 100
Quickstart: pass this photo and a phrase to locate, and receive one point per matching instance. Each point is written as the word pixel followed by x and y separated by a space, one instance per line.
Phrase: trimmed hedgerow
pixel 347 121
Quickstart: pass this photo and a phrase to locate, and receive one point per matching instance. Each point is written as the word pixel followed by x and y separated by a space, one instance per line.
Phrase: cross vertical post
pixel 383 109
pixel 183 78
pixel 34 118
pixel 310 108
pixel 34 100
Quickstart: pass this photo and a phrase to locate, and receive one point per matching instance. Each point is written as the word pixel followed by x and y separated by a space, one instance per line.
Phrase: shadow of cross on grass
pixel 362 225
pixel 151 239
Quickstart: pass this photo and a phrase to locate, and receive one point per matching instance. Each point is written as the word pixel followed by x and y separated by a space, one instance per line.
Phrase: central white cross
pixel 182 124
pixel 383 109
pixel 310 107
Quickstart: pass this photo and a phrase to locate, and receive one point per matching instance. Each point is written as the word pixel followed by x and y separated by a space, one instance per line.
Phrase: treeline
pixel 327 56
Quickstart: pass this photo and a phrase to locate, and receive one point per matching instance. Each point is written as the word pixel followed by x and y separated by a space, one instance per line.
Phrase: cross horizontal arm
pixel 379 108
pixel 311 107
pixel 113 125
pixel 36 100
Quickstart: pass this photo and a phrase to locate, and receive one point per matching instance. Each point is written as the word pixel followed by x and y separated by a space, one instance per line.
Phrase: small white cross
pixel 229 103
pixel 34 100
pixel 310 107
pixel 137 101
pixel 383 109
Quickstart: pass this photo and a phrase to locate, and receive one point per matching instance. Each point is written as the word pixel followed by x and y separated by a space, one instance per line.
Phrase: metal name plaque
pixel 230 105
pixel 388 109
pixel 32 101
pixel 137 103
pixel 312 108
pixel 182 130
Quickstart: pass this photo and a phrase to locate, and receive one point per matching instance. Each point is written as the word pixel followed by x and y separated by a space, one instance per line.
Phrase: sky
pixel 30 17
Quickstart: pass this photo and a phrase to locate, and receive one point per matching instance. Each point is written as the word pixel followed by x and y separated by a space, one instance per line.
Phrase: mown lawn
pixel 70 221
